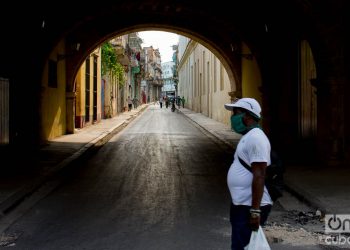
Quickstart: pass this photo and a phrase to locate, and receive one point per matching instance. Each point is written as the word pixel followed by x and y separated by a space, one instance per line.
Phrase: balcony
pixel 157 82
pixel 119 50
pixel 124 60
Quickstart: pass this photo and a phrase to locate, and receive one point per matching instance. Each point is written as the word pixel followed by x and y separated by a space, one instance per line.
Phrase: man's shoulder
pixel 257 134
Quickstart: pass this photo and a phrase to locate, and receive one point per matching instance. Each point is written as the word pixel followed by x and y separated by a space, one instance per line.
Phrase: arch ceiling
pixel 217 24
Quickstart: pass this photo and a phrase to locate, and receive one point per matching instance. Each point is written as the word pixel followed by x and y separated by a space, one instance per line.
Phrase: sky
pixel 160 40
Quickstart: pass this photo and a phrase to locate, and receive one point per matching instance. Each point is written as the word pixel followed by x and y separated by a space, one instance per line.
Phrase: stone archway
pixel 270 29
pixel 223 35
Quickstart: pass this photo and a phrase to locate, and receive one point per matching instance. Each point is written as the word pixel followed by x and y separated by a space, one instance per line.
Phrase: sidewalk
pixel 326 189
pixel 17 183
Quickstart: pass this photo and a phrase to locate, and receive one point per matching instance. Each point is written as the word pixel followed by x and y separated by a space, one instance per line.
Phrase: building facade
pixel 168 88
pixel 203 80
pixel 136 68
pixel 153 74
pixel 88 91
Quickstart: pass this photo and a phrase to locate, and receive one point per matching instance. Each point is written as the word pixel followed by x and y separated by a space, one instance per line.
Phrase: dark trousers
pixel 239 218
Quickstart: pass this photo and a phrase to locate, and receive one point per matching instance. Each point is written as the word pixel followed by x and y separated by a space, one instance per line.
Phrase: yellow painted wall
pixel 192 73
pixel 80 88
pixel 220 97
pixel 251 77
pixel 53 100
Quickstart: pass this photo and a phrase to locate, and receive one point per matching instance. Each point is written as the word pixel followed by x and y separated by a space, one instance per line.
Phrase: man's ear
pixel 248 118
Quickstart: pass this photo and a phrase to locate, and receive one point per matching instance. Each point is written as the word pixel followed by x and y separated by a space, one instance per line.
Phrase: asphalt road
pixel 158 184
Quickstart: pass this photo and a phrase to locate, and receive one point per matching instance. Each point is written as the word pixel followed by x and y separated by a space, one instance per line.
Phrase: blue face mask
pixel 237 123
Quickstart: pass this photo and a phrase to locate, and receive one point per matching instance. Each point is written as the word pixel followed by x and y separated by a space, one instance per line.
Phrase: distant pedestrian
pixel 161 102
pixel 183 101
pixel 135 101
pixel 129 103
pixel 250 200
pixel 178 101
pixel 166 102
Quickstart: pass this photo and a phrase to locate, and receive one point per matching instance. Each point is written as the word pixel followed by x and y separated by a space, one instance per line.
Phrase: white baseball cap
pixel 249 104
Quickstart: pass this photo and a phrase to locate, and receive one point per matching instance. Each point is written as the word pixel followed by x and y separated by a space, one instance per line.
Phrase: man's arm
pixel 258 169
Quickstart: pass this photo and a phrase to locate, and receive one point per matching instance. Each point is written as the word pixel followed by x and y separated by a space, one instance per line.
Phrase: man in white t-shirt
pixel 250 200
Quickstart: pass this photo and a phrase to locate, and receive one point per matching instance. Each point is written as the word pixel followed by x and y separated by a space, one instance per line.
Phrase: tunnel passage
pixel 269 35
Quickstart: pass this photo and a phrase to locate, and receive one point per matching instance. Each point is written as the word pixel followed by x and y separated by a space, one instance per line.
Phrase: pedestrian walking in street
pixel 250 200
pixel 161 102
pixel 173 108
pixel 129 103
pixel 178 101
pixel 166 102
pixel 135 102
pixel 183 101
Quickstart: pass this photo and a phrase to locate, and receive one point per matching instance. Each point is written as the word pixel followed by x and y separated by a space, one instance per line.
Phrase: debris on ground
pixel 302 228
pixel 8 240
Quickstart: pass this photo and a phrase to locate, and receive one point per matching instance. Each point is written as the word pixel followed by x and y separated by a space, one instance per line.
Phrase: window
pixel 208 76
pixel 87 89
pixel 95 89
pixel 221 77
pixel 215 74
pixel 203 83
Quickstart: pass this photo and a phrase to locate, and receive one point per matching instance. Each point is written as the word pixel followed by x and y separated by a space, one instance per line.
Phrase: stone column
pixel 70 112
pixel 330 122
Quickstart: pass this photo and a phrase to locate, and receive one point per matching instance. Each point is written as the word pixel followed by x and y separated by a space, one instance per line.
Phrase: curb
pixel 306 197
pixel 213 134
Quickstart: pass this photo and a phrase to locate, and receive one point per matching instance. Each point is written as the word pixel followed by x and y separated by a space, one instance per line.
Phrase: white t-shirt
pixel 252 147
